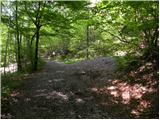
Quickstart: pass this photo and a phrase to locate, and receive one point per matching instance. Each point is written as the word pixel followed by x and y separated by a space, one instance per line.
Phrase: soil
pixel 82 90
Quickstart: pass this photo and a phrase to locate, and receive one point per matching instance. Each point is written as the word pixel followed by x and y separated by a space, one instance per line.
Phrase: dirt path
pixel 61 91
pixel 84 90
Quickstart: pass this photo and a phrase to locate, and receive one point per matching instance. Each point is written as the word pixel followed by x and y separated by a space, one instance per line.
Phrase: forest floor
pixel 87 89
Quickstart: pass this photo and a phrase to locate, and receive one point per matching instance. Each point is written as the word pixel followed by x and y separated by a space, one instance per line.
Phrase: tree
pixel 18 39
pixel 39 8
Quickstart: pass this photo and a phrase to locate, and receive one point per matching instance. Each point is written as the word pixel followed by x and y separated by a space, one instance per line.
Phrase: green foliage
pixel 127 30
pixel 72 61
pixel 71 31
pixel 127 63
pixel 11 82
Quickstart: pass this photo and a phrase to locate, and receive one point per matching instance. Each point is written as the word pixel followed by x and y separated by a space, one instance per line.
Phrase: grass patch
pixel 72 61
pixel 68 60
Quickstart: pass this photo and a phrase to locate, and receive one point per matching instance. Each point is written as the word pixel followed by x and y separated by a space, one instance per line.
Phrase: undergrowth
pixel 12 81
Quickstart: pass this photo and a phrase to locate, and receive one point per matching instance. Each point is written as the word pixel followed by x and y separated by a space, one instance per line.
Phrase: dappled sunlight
pixel 41 90
pixel 7 116
pixel 27 99
pixel 124 90
pixel 94 89
pixel 120 53
pixel 131 96
pixel 53 95
pixel 50 81
pixel 58 80
pixel 145 74
pixel 140 108
pixel 14 100
pixel 85 59
pixel 79 100
pixel 14 93
pixel 148 65
pixel 55 80
pixel 41 95
pixel 60 94
pixel 114 93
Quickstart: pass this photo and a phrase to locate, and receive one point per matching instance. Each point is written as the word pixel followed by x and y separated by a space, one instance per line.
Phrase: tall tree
pixel 36 19
pixel 18 39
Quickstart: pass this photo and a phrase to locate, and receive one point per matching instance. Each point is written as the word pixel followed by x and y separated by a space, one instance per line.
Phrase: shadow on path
pixel 81 90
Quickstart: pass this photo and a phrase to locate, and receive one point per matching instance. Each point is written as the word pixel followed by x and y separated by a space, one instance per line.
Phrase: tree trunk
pixel 18 42
pixel 19 53
pixel 6 50
pixel 87 50
pixel 36 49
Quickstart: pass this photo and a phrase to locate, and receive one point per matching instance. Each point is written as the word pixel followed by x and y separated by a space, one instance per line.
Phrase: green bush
pixel 127 62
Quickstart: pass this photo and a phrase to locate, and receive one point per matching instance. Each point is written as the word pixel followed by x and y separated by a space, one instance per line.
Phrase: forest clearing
pixel 79 59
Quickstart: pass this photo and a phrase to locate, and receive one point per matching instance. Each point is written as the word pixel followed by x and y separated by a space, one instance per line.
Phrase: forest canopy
pixel 31 29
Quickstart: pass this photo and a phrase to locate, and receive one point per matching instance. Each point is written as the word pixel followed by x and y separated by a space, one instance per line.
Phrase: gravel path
pixel 63 91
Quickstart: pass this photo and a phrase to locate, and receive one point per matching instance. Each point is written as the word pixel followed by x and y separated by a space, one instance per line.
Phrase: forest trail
pixel 61 91
pixel 87 89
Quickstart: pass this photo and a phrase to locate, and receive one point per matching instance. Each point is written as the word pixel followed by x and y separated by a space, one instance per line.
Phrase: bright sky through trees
pixel 94 2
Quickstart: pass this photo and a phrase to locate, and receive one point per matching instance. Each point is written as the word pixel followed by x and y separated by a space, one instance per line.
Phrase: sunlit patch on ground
pixel 135 95
pixel 140 108
pixel 79 100
pixel 14 93
pixel 53 95
pixel 57 94
pixel 126 91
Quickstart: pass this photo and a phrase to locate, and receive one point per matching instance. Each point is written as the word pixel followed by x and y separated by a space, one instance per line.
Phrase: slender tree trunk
pixel 36 49
pixel 6 50
pixel 19 53
pixel 87 50
pixel 29 49
pixel 18 41
pixel 22 56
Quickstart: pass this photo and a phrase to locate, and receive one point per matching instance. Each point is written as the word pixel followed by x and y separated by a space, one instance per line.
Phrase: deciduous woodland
pixel 79 59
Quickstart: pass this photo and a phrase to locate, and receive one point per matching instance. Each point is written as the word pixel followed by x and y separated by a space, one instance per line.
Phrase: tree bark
pixel 18 41
pixel 38 26
pixel 36 49
pixel 6 50
pixel 87 50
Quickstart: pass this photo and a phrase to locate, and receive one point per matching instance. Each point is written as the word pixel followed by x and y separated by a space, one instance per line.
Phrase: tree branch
pixel 29 14
pixel 125 41
pixel 33 37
